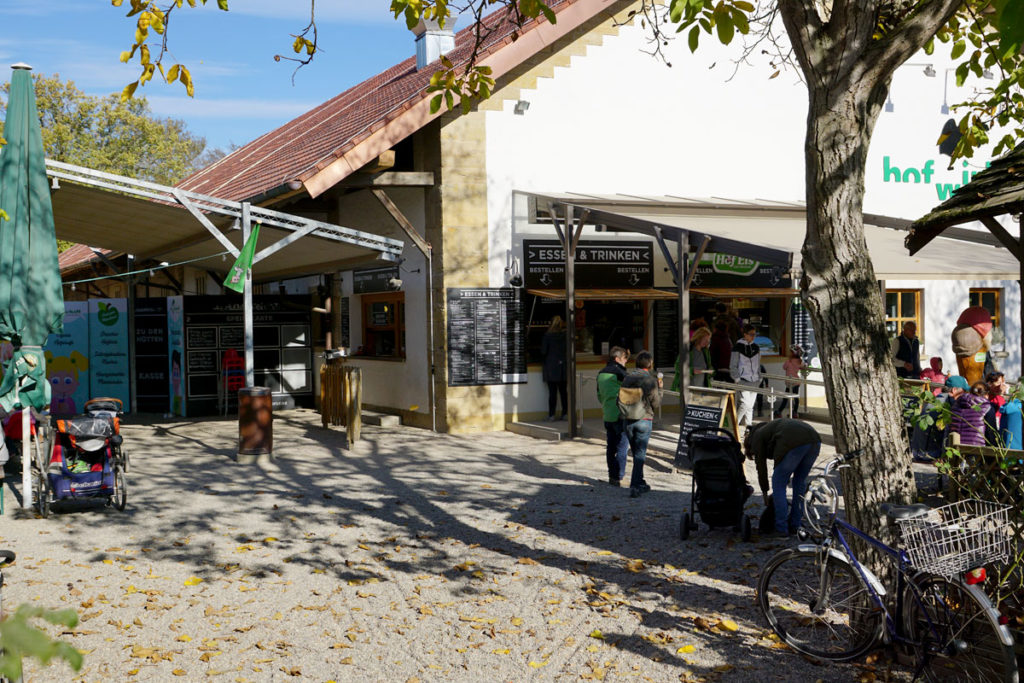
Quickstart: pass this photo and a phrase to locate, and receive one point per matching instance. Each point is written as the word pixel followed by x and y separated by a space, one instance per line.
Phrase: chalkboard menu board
pixel 695 418
pixel 202 361
pixel 666 333
pixel 344 323
pixel 486 336
pixel 202 337
pixel 803 331
pixel 232 337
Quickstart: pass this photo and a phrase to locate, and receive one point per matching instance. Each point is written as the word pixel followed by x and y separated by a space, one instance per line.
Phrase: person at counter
pixel 700 360
pixel 552 347
pixel 745 368
pixel 906 352
pixel 720 347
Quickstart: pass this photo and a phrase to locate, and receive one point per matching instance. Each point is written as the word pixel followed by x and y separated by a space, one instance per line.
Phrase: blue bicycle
pixel 823 602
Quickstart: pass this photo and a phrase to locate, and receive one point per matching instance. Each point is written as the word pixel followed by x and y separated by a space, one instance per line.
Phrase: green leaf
pixel 222 4
pixel 549 14
pixel 726 30
pixel 958 49
pixel 435 103
pixel 694 38
pixel 675 12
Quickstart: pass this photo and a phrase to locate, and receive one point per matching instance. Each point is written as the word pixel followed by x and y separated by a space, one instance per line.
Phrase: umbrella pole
pixel 26 469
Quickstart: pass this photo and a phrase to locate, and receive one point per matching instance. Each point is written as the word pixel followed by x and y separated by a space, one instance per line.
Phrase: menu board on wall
pixel 803 330
pixel 345 338
pixel 486 336
pixel 666 333
pixel 213 325
pixel 373 279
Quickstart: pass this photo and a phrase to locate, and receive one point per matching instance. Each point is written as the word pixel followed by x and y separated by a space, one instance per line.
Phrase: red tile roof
pixel 79 255
pixel 303 147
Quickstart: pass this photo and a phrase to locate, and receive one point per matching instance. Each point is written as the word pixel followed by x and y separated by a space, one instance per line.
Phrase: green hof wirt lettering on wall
pixel 726 270
pixel 927 174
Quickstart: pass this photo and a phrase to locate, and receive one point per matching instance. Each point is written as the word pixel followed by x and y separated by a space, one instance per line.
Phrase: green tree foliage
pixel 20 639
pixel 109 135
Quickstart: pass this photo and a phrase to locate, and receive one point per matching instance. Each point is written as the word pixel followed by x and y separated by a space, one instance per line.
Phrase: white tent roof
pixel 783 226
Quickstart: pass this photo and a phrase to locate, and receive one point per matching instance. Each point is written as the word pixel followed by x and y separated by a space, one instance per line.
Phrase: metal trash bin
pixel 255 424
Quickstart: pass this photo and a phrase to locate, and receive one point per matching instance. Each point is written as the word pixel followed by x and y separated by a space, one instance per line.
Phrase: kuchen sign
pixel 600 265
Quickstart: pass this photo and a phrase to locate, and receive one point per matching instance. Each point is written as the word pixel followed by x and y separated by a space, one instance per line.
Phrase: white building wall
pixel 618 121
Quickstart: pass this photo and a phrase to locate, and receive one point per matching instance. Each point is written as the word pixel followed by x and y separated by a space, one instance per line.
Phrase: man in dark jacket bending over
pixel 794 446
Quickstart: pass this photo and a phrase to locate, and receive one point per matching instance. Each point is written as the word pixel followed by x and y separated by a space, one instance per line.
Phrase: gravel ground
pixel 411 557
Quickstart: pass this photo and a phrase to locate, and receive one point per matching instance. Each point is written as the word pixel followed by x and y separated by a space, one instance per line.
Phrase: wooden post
pixel 355 400
pixel 570 320
pixel 683 270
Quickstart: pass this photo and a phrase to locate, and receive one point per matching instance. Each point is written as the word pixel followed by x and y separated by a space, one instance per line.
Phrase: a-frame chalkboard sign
pixel 705 408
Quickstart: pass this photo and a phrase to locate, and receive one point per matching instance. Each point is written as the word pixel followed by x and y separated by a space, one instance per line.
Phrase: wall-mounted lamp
pixel 929 71
pixel 520 108
pixel 987 74
pixel 889 106
pixel 294 185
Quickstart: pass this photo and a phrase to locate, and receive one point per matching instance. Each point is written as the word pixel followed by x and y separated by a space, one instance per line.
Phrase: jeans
pixel 617 449
pixel 796 464
pixel 556 389
pixel 638 432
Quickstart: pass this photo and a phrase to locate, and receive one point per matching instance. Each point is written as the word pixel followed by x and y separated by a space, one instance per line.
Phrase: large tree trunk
pixel 843 298
pixel 848 67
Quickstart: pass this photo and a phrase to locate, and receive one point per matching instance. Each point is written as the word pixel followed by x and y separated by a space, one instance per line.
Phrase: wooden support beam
pixel 403 222
pixel 1005 238
pixel 390 179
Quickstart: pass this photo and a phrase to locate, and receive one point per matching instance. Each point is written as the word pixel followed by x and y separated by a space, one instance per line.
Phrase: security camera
pixel 394 284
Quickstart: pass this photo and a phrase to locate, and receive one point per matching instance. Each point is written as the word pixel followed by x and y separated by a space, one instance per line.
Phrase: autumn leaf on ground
pixel 596 633
pixel 526 560
pixel 686 649
pixel 727 625
pixel 635 566
pixel 193 581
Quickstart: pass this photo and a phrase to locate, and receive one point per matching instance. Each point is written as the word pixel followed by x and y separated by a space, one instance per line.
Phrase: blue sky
pixel 241 92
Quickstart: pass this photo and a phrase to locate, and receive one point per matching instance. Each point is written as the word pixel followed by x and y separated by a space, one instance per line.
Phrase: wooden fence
pixel 341 397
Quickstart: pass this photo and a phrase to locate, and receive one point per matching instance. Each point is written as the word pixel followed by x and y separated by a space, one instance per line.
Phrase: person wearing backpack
pixel 639 396
pixel 609 379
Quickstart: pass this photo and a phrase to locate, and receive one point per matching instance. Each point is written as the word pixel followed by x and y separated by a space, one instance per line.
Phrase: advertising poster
pixel 67 361
pixel 108 346
pixel 175 353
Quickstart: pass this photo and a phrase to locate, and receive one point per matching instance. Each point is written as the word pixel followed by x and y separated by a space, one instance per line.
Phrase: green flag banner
pixel 236 276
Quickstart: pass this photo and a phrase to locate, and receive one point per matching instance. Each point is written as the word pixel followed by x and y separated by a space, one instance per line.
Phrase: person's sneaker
pixel 637 491
pixel 614 482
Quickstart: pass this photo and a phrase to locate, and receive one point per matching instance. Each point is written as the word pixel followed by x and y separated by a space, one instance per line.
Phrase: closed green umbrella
pixel 31 299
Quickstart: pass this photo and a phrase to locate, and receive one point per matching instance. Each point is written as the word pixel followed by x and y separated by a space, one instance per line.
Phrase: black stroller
pixel 719 490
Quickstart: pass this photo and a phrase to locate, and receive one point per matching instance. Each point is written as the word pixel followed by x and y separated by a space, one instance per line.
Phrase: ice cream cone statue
pixel 971 338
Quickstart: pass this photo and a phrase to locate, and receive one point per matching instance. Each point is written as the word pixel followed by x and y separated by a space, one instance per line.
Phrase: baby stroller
pixel 719 489
pixel 85 460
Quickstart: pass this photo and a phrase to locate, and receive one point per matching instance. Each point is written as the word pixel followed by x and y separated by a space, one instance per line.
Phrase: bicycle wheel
pixel 957 627
pixel 825 612
pixel 120 497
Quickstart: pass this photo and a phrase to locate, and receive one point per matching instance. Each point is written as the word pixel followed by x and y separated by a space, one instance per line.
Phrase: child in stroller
pixel 719 488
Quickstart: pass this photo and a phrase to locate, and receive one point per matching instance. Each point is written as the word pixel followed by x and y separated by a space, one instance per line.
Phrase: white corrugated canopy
pixel 782 226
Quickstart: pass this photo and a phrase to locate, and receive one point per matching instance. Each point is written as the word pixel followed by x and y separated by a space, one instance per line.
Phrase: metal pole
pixel 430 339
pixel 570 321
pixel 133 405
pixel 683 269
pixel 247 302
pixel 26 466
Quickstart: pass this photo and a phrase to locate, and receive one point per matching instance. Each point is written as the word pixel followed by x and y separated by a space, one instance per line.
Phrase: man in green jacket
pixel 609 379
pixel 794 446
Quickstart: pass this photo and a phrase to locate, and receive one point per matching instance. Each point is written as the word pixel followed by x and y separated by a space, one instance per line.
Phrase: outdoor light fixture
pixel 889 106
pixel 521 107
pixel 294 185
pixel 929 71
pixel 987 74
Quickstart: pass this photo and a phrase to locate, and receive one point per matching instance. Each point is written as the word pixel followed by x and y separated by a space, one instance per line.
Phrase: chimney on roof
pixel 432 41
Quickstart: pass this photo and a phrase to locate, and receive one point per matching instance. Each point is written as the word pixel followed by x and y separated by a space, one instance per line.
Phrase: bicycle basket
pixel 954 538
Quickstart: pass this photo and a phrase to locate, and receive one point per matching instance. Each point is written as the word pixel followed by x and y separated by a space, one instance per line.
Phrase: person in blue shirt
pixel 1011 423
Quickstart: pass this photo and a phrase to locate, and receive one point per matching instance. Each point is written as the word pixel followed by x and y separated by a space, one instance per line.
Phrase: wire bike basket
pixel 954 538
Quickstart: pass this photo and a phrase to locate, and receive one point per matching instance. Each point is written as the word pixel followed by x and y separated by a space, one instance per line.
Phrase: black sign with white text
pixel 486 336
pixel 598 265
pixel 696 417
pixel 373 279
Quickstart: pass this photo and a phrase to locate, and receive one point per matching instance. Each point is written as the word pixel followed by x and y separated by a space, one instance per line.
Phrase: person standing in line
pixel 792 367
pixel 794 446
pixel 609 379
pixel 552 347
pixel 700 360
pixel 642 392
pixel 721 352
pixel 906 352
pixel 745 368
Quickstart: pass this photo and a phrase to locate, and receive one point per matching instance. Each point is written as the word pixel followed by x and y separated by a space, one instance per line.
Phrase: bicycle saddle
pixel 896 512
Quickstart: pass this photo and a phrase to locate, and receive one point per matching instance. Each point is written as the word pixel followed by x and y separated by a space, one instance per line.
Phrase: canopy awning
pixel 610 294
pixel 780 227
pixel 162 223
